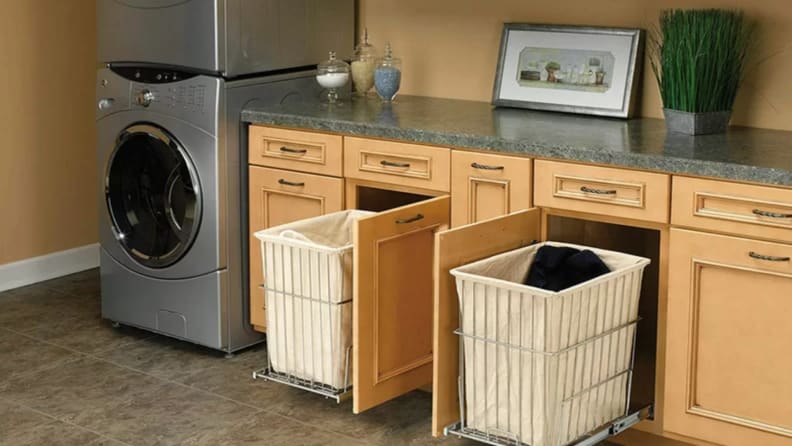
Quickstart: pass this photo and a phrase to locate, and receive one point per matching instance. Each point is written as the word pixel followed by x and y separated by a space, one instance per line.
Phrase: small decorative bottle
pixel 332 74
pixel 363 64
pixel 387 75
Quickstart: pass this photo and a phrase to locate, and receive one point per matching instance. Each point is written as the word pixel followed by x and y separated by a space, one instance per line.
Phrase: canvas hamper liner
pixel 541 367
pixel 308 297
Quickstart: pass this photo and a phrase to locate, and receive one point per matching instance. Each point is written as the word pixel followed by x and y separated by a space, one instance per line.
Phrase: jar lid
pixel 333 65
pixel 365 50
pixel 388 59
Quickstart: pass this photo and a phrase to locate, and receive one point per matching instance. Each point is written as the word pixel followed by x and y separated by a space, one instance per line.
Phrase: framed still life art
pixel 574 69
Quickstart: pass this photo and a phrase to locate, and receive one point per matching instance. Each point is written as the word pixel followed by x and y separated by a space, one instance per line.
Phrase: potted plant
pixel 699 62
pixel 551 69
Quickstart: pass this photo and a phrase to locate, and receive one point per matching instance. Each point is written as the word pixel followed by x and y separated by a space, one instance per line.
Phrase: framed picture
pixel 572 69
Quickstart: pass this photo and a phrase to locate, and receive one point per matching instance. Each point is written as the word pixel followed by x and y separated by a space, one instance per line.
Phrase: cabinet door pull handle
pixel 387 163
pixel 290 150
pixel 485 167
pixel 290 183
pixel 591 190
pixel 403 221
pixel 758 256
pixel 762 213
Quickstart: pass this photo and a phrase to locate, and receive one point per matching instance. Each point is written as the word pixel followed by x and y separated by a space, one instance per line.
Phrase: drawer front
pixel 485 186
pixel 295 150
pixel 756 211
pixel 398 163
pixel 602 190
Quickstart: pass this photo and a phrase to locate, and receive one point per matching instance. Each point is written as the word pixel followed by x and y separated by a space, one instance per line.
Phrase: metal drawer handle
pixel 590 190
pixel 290 150
pixel 403 221
pixel 393 164
pixel 290 183
pixel 762 213
pixel 485 167
pixel 768 258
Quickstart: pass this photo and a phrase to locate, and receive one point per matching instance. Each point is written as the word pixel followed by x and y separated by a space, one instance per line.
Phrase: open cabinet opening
pixel 636 241
pixel 378 200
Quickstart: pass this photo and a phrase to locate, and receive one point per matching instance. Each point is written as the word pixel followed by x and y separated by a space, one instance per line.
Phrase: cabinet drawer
pixel 398 163
pixel 295 150
pixel 602 190
pixel 484 186
pixel 756 211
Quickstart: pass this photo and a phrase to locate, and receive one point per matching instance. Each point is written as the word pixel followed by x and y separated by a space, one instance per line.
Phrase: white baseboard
pixel 49 266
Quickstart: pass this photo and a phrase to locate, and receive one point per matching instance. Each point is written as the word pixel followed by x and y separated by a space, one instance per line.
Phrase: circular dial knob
pixel 144 98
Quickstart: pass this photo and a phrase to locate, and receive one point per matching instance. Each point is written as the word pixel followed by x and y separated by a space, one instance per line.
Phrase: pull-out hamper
pixel 308 297
pixel 544 368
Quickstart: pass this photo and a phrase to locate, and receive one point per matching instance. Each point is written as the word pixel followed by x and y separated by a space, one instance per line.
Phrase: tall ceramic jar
pixel 363 63
pixel 387 75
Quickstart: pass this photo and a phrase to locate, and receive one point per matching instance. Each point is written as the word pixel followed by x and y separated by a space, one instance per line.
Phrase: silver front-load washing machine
pixel 171 170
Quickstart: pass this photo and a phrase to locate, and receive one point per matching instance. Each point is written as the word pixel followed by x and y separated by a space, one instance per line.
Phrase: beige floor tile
pixel 23 427
pixel 21 355
pixel 77 387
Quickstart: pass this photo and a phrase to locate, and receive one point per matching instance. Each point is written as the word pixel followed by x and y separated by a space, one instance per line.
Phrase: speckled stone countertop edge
pixel 660 163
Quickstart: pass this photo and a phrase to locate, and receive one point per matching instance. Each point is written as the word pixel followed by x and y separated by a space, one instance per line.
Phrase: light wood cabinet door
pixel 278 197
pixel 484 186
pixel 392 303
pixel 728 362
pixel 454 248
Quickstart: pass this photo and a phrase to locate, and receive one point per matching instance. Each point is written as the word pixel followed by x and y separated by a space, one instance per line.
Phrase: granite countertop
pixel 744 154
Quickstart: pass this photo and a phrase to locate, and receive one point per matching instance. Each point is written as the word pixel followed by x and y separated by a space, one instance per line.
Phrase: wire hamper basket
pixel 544 368
pixel 308 300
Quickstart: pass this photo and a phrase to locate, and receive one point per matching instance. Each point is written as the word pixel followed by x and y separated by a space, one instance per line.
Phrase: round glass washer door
pixel 153 195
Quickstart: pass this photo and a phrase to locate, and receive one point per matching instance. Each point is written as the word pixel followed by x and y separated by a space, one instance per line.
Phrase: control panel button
pixel 105 103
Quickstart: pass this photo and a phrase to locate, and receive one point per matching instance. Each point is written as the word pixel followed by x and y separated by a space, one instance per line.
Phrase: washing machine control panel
pixel 187 96
pixel 192 97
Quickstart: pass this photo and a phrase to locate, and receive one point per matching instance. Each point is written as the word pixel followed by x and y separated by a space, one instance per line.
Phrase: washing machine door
pixel 153 196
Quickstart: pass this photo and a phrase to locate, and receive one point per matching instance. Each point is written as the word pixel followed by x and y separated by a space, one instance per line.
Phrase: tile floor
pixel 68 378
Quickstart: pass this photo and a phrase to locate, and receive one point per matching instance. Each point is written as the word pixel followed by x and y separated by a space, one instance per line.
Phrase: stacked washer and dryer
pixel 171 151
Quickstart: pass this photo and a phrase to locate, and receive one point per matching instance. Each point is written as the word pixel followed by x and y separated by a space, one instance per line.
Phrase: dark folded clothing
pixel 556 268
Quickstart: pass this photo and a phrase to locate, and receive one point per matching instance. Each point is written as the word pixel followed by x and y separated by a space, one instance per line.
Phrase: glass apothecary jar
pixel 332 74
pixel 387 75
pixel 363 63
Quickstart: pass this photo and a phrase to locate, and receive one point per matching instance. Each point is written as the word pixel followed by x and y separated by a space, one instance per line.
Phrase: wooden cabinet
pixel 484 186
pixel 723 361
pixel 278 197
pixel 728 343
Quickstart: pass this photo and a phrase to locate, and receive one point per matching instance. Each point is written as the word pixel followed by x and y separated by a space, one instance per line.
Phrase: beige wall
pixel 47 174
pixel 450 47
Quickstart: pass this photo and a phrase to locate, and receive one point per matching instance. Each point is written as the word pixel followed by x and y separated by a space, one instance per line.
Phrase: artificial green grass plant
pixel 699 58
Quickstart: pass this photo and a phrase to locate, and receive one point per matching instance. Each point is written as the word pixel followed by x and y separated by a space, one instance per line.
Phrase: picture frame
pixel 570 69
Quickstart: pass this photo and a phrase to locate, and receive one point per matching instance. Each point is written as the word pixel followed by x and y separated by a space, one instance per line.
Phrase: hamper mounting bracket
pixel 267 374
pixel 611 429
